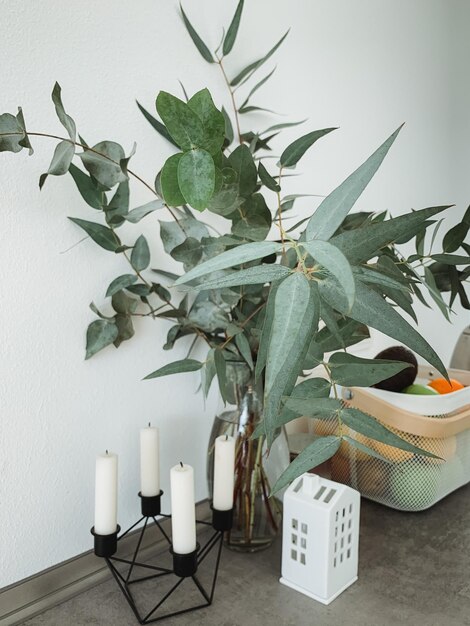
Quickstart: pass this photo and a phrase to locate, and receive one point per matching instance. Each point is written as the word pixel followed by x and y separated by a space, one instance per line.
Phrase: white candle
pixel 106 494
pixel 224 473
pixel 149 462
pixel 183 509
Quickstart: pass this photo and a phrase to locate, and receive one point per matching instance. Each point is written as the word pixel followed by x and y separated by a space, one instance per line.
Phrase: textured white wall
pixel 366 65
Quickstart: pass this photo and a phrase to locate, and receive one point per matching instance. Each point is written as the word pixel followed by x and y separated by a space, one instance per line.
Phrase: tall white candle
pixel 183 509
pixel 224 473
pixel 106 493
pixel 149 462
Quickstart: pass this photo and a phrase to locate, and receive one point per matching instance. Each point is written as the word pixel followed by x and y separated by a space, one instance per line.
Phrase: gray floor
pixel 414 568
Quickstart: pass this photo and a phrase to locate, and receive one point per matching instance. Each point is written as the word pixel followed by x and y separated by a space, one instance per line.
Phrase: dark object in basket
pixel 404 378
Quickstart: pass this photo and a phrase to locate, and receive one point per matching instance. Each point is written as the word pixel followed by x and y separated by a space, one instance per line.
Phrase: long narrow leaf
pixel 335 262
pixel 334 208
pixel 236 256
pixel 295 151
pixel 177 367
pixel 252 67
pixel 371 309
pixel 259 274
pixel 200 45
pixel 156 124
pixel 316 453
pixel 232 31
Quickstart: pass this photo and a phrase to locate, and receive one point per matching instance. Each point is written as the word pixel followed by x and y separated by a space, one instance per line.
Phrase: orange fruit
pixel 441 385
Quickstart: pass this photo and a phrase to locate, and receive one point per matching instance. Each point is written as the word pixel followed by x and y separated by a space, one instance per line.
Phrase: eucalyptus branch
pixel 279 212
pixel 104 156
pixel 243 324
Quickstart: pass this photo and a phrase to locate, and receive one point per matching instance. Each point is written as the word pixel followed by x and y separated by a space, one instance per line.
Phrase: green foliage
pixel 102 235
pixel 295 151
pixel 177 367
pixel 200 45
pixel 335 207
pixel 232 30
pixel 274 306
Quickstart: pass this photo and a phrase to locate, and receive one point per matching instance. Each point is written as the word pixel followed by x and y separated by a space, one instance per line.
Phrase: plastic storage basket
pixel 438 424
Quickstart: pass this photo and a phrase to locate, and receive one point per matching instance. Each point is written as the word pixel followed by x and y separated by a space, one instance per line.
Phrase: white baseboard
pixel 36 594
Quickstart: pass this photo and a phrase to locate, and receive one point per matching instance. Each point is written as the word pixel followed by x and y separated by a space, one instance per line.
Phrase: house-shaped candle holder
pixel 320 537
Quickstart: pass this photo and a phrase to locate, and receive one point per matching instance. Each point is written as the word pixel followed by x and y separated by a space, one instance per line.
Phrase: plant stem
pixel 104 156
pixel 243 324
pixel 232 97
pixel 279 213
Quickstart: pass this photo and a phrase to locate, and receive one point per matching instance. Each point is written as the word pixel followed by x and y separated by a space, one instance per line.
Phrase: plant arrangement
pixel 274 296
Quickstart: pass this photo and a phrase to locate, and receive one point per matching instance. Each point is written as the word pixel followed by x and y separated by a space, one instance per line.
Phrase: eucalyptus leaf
pixel 371 309
pixel 173 234
pixel 221 371
pixel 455 237
pixel 308 406
pixel 208 372
pixel 135 215
pixel 295 151
pixel 177 367
pixel 267 179
pixel 363 448
pixel 236 256
pixel 259 274
pixel 361 244
pixel 232 30
pixel 103 162
pixel 140 255
pixel 334 208
pixel 169 181
pixel 102 235
pixel 200 45
pixel 313 455
pixel 241 161
pixel 196 178
pixel 293 319
pixel 181 121
pixel 349 370
pixel 244 348
pixel 66 121
pixel 252 67
pixel 372 428
pixel 61 160
pixel 335 262
pixel 121 282
pixel 87 188
pixel 125 329
pixel 11 133
pixel 253 219
pixel 100 333
pixel 157 125
pixel 229 135
pixel 256 87
pixel 451 259
pixel 212 119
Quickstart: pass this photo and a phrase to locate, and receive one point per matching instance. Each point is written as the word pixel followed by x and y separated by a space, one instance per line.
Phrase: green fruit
pixel 414 486
pixel 404 378
pixel 420 390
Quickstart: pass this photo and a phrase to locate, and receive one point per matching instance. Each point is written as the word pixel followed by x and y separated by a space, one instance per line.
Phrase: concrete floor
pixel 414 569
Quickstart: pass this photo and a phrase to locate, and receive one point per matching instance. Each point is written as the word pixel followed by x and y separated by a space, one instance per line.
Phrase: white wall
pixel 366 65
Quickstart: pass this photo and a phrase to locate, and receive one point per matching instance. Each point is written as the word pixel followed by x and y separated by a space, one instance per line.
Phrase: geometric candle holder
pixel 184 566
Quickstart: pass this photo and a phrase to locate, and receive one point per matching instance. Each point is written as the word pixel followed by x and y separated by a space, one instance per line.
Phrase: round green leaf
pixel 196 178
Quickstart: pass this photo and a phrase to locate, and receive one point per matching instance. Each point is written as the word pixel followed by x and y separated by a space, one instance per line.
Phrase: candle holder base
pixel 185 567
pixel 150 505
pixel 105 545
pixel 222 520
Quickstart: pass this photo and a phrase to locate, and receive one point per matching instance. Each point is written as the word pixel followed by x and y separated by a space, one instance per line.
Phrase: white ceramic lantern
pixel 320 537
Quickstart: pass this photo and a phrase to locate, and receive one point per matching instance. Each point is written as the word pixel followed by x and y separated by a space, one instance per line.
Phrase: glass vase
pixel 257 517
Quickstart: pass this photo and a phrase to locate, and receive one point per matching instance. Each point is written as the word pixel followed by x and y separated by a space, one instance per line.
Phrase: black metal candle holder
pixel 185 566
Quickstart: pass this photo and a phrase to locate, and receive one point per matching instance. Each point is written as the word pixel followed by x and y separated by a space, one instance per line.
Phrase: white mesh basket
pixel 438 424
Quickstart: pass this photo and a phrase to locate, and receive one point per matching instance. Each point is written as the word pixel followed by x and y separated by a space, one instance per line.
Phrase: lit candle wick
pixel 226 437
pixel 106 452
pixel 149 424
pixel 181 463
